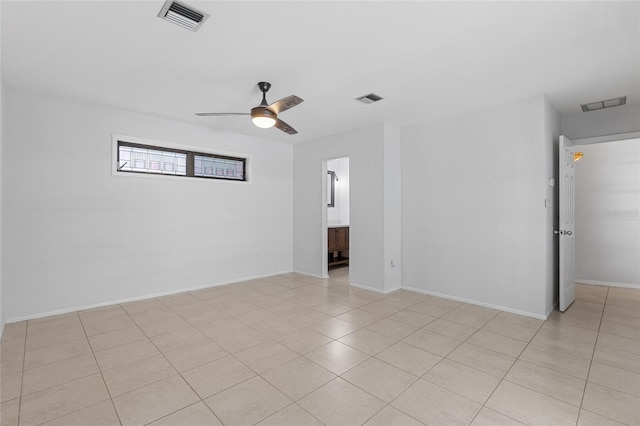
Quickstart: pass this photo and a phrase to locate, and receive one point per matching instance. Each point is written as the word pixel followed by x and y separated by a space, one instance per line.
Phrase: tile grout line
pixel 71 381
pixel 442 358
pixel 586 379
pixel 340 375
pixel 260 374
pixel 178 373
pixel 257 374
pixel 24 357
pixel 595 344
pixel 149 339
pixel 436 364
pixel 179 409
pixel 142 359
pixel 100 370
pixel 274 339
pixel 503 378
pixel 418 378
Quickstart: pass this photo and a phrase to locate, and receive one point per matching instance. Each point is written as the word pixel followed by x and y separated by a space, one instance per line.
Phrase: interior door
pixel 567 224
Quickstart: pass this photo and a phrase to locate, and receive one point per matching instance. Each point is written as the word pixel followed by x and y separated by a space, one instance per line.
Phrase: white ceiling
pixel 427 59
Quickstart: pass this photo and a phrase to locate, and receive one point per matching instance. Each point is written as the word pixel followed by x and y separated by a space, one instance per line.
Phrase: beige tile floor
pixel 295 350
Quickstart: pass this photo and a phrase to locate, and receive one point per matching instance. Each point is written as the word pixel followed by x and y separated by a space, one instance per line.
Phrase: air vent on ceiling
pixel 592 106
pixel 369 99
pixel 183 15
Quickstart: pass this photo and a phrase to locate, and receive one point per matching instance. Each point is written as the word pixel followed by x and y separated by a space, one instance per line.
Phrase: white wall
pixel 365 148
pixel 474 223
pixel 76 236
pixel 608 121
pixel 339 214
pixel 392 206
pixel 2 312
pixel 608 213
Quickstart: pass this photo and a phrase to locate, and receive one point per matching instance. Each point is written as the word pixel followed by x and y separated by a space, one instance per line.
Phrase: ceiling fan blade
pixel 285 103
pixel 285 127
pixel 220 114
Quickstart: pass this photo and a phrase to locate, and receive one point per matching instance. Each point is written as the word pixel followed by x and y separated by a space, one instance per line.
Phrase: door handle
pixel 568 233
pixel 562 232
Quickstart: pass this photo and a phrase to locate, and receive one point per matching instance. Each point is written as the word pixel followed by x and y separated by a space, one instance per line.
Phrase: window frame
pixel 189 151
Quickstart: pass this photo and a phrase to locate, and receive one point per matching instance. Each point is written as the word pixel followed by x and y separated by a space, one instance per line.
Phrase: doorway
pixel 336 255
pixel 606 207
pixel 608 213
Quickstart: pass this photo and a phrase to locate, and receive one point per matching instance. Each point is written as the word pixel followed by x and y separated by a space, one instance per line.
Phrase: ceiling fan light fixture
pixel 263 118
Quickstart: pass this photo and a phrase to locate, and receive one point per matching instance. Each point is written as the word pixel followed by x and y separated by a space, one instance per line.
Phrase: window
pixel 138 158
pixel 218 167
pixel 146 159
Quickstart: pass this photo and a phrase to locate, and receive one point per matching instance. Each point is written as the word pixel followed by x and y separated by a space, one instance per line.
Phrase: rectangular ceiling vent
pixel 369 99
pixel 183 15
pixel 604 104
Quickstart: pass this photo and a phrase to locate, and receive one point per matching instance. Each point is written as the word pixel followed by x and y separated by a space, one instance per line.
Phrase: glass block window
pixel 137 158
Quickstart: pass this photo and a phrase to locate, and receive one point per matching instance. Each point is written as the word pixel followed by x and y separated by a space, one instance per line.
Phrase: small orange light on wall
pixel 577 156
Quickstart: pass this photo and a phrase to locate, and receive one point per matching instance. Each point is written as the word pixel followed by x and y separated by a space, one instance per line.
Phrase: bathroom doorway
pixel 338 223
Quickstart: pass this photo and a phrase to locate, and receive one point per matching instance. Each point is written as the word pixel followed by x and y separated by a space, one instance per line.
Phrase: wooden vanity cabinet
pixel 338 241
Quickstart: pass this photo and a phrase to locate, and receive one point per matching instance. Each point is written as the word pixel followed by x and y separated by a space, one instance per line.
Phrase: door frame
pixel 324 222
pixel 325 213
pixel 566 224
pixel 588 141
pixel 607 138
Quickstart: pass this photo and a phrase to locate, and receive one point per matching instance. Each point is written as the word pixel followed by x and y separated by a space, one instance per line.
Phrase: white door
pixel 567 224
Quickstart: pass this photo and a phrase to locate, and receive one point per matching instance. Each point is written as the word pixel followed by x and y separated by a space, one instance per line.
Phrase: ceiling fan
pixel 265 115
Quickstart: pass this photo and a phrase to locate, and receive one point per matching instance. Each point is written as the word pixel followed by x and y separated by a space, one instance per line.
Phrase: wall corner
pixel 392 207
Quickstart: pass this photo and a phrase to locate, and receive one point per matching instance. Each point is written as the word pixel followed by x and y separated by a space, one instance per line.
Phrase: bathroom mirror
pixel 331 188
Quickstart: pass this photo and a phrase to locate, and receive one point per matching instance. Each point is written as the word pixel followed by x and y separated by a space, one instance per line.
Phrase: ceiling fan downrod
pixel 264 88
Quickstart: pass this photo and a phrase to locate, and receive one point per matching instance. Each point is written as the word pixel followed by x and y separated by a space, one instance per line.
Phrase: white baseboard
pixel 360 286
pixel 309 274
pixel 374 289
pixel 477 303
pixel 608 284
pixel 137 298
